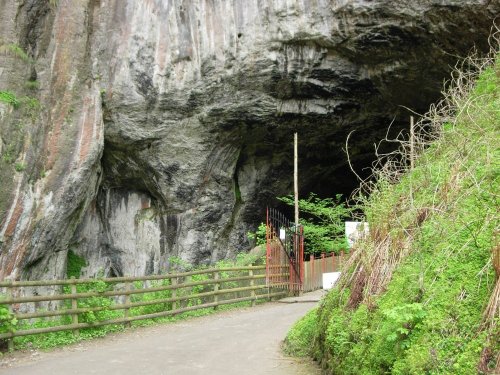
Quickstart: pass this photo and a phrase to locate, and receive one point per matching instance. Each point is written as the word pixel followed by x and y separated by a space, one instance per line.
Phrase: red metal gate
pixel 284 252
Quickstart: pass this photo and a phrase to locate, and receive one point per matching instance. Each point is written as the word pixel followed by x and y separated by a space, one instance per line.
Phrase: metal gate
pixel 284 252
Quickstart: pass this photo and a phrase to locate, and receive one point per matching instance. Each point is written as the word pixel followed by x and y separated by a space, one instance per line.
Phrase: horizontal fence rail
pixel 122 300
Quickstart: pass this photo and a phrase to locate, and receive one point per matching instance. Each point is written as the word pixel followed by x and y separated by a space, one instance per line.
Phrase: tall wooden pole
pixel 412 143
pixel 296 178
pixel 412 155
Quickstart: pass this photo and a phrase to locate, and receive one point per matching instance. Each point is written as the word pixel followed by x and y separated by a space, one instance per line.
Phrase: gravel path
pixel 242 341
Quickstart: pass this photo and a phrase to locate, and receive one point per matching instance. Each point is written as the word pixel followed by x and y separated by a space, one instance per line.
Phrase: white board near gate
pixel 354 230
pixel 329 279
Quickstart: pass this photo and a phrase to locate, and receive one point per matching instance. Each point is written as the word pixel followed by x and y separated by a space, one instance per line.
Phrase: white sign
pixel 354 230
pixel 282 234
pixel 329 279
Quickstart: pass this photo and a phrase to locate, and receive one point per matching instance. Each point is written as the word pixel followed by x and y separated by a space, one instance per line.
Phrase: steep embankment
pixel 421 295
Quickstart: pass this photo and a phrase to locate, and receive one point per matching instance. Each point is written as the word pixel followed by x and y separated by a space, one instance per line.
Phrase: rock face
pixel 154 129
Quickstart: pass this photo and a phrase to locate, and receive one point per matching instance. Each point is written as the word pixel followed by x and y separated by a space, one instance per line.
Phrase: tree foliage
pixel 323 222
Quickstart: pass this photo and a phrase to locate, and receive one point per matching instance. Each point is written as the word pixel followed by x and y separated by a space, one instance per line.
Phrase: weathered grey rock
pixel 166 125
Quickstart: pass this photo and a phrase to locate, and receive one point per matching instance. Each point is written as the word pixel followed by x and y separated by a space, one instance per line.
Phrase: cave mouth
pixel 324 169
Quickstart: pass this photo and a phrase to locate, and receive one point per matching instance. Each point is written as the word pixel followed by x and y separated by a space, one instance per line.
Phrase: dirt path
pixel 239 342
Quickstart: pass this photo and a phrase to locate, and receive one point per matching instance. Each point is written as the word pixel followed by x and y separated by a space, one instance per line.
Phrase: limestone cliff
pixel 147 129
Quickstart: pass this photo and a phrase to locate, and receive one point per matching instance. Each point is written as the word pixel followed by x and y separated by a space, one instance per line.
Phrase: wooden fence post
pixel 74 306
pixel 252 283
pixel 174 293
pixel 9 295
pixel 128 288
pixel 216 289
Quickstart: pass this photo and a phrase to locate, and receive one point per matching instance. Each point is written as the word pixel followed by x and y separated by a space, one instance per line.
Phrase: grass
pixel 421 294
pixel 32 85
pixel 303 333
pixel 30 105
pixel 14 50
pixel 19 167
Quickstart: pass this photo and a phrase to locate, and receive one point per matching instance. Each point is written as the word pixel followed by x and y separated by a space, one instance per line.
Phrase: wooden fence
pixel 163 295
pixel 315 267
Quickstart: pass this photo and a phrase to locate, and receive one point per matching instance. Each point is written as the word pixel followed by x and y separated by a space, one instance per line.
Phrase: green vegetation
pixel 421 294
pixel 9 322
pixel 74 266
pixel 19 167
pixel 237 192
pixel 30 105
pixel 104 302
pixel 259 236
pixel 9 98
pixel 298 341
pixel 242 259
pixel 323 223
pixel 32 85
pixel 14 50
pixel 48 340
pixel 8 154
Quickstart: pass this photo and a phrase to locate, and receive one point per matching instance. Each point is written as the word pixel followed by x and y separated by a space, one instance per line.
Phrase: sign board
pixel 282 234
pixel 329 279
pixel 354 230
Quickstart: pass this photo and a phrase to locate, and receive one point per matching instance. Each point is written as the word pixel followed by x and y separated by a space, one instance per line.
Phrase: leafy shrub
pixel 151 296
pixel 177 264
pixel 74 265
pixel 52 339
pixel 259 236
pixel 401 320
pixel 46 340
pixel 8 322
pixel 96 301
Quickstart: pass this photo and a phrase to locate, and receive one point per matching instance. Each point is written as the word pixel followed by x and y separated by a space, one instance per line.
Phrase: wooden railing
pixel 169 294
